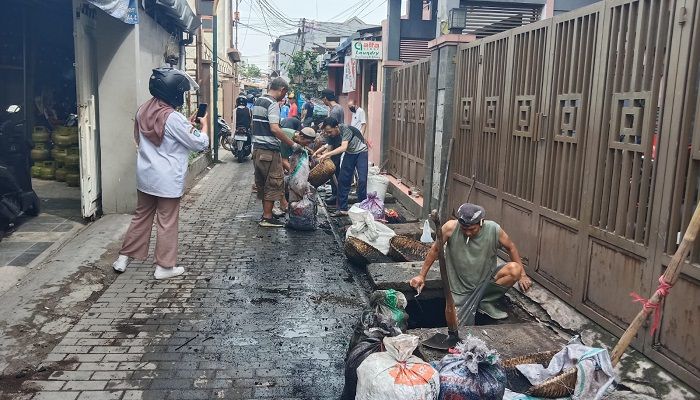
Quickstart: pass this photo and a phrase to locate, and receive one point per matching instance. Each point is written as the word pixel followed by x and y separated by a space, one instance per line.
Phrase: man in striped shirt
pixel 267 138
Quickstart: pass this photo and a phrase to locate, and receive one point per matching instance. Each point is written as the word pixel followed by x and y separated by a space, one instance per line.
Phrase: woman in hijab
pixel 164 138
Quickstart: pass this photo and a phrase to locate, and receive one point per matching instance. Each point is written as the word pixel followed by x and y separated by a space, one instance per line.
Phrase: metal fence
pixel 407 137
pixel 581 134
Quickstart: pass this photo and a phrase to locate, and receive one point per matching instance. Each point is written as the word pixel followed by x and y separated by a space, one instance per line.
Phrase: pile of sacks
pixel 383 363
pixel 303 203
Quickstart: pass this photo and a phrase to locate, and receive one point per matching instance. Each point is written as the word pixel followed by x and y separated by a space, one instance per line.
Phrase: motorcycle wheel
pixel 241 156
pixel 224 143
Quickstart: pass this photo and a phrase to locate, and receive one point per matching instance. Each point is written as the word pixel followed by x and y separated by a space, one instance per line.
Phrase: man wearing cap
pixel 470 253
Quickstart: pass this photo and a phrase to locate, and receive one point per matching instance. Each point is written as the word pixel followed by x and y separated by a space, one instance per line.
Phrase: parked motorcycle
pixel 225 135
pixel 16 195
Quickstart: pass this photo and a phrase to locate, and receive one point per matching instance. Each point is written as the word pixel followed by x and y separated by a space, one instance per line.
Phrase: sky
pixel 259 27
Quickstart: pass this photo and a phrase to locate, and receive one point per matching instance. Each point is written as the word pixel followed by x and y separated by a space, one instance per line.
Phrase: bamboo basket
pixel 362 253
pixel 558 386
pixel 404 248
pixel 321 173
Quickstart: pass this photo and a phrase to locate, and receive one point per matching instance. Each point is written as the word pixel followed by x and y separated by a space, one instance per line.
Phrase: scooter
pixel 16 195
pixel 225 136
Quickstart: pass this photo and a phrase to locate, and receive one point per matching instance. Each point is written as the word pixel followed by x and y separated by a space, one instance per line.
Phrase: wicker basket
pixel 404 248
pixel 321 173
pixel 555 387
pixel 362 253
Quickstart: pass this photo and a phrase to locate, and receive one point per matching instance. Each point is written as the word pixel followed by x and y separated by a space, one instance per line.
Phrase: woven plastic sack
pixel 298 181
pixel 391 304
pixel 302 214
pixel 367 339
pixel 471 372
pixel 374 205
pixel 396 374
pixel 365 228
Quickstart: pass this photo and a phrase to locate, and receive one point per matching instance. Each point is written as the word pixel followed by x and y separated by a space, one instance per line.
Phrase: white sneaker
pixel 278 212
pixel 166 273
pixel 121 263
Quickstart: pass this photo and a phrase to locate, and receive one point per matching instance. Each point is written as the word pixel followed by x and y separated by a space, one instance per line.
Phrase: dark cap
pixel 470 214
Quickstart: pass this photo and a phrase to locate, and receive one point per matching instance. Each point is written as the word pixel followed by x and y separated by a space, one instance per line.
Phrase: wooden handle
pixel 670 276
pixel 450 311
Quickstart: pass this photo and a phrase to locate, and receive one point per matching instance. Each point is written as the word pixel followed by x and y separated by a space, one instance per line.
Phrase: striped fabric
pixel 266 110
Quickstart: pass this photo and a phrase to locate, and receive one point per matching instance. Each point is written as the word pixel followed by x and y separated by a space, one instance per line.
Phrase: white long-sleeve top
pixel 161 170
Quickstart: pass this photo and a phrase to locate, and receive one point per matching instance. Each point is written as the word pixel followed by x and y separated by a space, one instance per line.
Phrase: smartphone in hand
pixel 202 110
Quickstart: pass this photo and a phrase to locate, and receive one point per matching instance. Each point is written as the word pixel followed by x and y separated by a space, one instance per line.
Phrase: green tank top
pixel 469 264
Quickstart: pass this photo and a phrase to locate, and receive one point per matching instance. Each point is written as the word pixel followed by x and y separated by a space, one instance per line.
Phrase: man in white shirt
pixel 359 119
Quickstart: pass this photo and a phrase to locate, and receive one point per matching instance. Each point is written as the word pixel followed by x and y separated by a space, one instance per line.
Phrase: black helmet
pixel 169 85
pixel 250 98
pixel 241 101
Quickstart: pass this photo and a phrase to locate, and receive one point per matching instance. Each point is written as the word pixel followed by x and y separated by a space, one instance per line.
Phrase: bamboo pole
pixel 670 276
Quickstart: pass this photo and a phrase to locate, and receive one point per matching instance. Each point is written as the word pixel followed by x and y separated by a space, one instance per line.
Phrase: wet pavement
pixel 260 313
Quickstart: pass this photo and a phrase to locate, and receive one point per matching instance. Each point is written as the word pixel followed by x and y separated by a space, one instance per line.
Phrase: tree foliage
pixel 249 71
pixel 305 73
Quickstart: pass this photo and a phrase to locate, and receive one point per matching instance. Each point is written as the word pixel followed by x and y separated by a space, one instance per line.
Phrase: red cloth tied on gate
pixel 663 290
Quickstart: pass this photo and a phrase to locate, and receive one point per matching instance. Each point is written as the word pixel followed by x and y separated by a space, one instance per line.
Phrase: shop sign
pixel 366 50
pixel 349 74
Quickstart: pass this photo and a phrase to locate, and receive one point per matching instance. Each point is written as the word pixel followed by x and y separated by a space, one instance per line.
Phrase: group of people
pixel 164 139
pixel 276 138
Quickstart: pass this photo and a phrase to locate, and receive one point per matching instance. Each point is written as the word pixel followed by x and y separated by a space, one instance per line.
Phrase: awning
pixel 124 10
pixel 177 11
pixel 181 12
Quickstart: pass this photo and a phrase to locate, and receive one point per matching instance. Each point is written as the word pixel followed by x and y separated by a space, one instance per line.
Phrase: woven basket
pixel 321 173
pixel 404 248
pixel 362 253
pixel 555 387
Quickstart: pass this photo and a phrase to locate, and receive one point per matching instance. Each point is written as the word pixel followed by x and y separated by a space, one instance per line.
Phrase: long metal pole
pixel 215 99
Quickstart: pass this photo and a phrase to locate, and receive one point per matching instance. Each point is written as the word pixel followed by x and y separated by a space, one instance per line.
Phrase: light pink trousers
pixel 138 236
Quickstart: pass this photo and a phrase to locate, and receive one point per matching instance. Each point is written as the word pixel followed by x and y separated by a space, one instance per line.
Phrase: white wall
pixel 126 55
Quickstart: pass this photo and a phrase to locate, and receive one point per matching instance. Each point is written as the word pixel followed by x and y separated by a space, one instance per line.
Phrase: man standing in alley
pixel 471 256
pixel 355 158
pixel 267 160
pixel 335 111
pixel 359 119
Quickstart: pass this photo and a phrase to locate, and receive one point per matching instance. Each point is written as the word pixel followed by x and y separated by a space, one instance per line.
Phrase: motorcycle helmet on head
pixel 170 85
pixel 241 101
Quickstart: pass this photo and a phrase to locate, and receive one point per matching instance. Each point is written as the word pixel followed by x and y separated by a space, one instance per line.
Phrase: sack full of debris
pixel 391 304
pixel 396 374
pixel 374 328
pixel 365 228
pixel 471 372
pixel 377 183
pixel 374 205
pixel 298 180
pixel 302 214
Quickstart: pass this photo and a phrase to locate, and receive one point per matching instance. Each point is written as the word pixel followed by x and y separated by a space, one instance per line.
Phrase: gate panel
pixel 494 55
pixel 676 344
pixel 529 59
pixel 637 34
pixel 466 123
pixel 572 77
pixel 407 142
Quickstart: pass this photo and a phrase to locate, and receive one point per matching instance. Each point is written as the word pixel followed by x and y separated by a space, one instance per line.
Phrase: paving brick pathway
pixel 260 313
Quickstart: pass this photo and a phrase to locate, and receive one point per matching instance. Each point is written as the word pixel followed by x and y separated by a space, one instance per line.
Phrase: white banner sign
pixel 366 50
pixel 349 74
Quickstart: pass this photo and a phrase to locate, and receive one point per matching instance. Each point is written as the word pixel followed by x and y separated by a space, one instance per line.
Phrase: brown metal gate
pixel 407 137
pixel 581 134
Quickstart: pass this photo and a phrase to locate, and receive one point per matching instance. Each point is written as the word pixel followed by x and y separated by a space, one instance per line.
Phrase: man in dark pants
pixel 336 111
pixel 355 158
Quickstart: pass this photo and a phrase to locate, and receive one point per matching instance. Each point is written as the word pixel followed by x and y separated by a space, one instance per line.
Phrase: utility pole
pixel 215 100
pixel 236 18
pixel 303 32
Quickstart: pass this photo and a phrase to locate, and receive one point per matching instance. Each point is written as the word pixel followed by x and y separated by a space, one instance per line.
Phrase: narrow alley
pixel 259 313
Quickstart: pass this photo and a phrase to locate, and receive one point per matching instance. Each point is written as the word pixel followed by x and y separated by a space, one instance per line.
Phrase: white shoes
pixel 121 263
pixel 167 273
